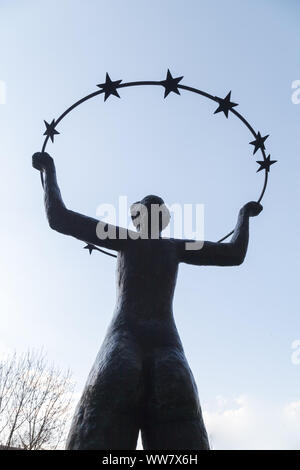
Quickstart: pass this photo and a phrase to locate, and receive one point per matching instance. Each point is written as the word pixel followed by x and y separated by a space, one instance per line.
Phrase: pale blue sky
pixel 237 324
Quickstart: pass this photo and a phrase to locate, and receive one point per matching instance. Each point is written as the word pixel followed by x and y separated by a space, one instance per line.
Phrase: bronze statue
pixel 141 379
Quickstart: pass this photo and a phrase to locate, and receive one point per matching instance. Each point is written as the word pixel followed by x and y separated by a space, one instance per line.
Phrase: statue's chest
pixel 151 256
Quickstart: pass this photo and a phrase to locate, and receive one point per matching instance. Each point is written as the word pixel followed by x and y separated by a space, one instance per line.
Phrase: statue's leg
pixel 108 414
pixel 172 413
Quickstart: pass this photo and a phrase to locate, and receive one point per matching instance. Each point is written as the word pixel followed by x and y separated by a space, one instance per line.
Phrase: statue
pixel 141 379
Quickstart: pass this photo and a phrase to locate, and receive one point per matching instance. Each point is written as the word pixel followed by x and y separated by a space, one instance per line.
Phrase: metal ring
pixel 182 87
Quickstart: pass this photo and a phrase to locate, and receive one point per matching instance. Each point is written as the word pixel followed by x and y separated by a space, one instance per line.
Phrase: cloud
pixel 292 410
pixel 246 423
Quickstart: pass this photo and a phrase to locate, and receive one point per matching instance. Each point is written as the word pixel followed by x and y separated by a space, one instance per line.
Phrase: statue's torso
pixel 146 279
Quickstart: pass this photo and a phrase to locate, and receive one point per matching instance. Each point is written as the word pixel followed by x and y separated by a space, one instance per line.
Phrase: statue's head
pixel 150 215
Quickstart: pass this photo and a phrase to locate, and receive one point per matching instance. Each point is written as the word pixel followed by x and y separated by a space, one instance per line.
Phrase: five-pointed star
pixel 259 142
pixel 50 129
pixel 171 84
pixel 225 105
pixel 109 87
pixel 90 248
pixel 265 164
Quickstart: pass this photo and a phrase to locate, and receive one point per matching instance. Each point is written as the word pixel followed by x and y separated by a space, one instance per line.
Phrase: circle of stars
pixel 171 85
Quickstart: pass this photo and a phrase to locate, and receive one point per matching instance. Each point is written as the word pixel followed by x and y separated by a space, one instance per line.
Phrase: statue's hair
pixel 148 201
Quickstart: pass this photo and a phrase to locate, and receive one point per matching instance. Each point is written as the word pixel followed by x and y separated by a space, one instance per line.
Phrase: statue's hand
pixel 252 209
pixel 42 161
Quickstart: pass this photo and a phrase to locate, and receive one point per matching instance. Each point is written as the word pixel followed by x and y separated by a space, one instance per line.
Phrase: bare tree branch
pixel 35 401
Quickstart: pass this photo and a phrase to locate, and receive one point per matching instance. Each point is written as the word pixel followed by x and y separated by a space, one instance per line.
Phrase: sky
pixel 237 324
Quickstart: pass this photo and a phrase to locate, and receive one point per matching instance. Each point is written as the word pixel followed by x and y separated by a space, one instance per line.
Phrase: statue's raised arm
pixel 224 254
pixel 68 222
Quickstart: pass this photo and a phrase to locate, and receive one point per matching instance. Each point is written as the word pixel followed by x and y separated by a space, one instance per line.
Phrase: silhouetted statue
pixel 141 379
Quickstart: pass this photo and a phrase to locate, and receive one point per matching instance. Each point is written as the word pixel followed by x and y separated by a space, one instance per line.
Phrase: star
pixel 90 248
pixel 110 87
pixel 171 84
pixel 225 105
pixel 50 129
pixel 265 164
pixel 259 142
